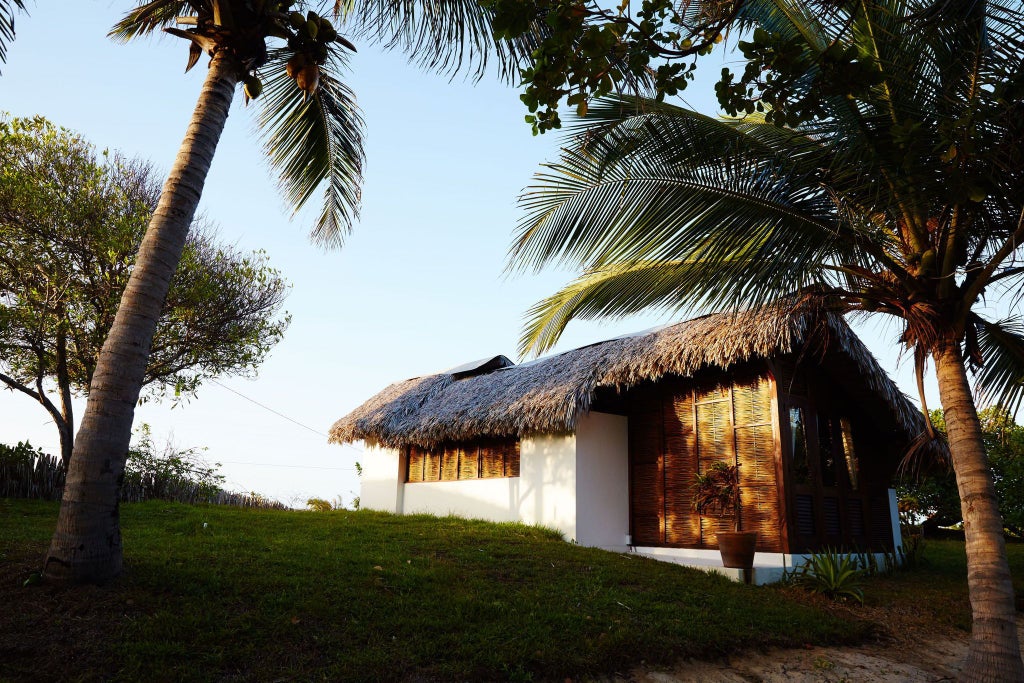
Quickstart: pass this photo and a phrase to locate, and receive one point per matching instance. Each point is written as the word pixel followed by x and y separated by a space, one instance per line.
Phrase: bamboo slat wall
pixel 481 459
pixel 677 430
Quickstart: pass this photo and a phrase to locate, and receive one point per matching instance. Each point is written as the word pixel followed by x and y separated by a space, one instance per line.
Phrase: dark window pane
pixel 798 446
pixel 826 451
pixel 849 454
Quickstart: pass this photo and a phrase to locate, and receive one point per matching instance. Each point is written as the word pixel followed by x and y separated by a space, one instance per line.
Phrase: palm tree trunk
pixel 86 546
pixel 994 653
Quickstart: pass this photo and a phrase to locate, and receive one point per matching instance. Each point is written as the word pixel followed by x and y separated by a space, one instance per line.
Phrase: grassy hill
pixel 216 593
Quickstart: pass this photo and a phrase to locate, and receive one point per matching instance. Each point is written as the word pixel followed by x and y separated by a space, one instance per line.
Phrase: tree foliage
pixel 588 50
pixel 71 220
pixel 933 493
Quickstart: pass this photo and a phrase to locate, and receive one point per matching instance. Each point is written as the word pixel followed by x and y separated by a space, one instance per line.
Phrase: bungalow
pixel 604 442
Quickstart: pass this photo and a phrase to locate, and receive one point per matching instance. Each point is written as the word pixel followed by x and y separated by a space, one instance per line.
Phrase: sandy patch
pixel 927 661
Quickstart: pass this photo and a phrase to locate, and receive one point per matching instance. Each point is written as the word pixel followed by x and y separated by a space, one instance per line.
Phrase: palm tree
pixel 905 200
pixel 312 135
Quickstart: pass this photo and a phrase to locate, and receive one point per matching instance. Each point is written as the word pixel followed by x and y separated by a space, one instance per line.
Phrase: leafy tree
pixel 902 194
pixel 70 226
pixel 933 493
pixel 312 136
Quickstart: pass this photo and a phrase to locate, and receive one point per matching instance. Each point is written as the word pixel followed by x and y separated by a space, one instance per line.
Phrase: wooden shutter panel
pixel 450 463
pixel 881 524
pixel 415 464
pixel 682 523
pixel 755 453
pixel 855 513
pixel 432 465
pixel 647 491
pixel 805 516
pixel 759 493
pixel 714 444
pixel 492 460
pixel 469 458
pixel 511 453
pixel 833 525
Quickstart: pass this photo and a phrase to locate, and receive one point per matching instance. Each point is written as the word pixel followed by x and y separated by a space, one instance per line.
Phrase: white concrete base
pixel 768 567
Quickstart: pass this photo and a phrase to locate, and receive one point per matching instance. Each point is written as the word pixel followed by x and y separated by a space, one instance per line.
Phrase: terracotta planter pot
pixel 737 548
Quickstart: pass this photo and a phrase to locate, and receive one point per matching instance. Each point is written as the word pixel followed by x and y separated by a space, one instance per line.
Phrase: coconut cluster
pixel 309 36
pixel 313 34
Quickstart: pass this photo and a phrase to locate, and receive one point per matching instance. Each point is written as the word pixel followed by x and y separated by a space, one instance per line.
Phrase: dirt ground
pixel 936 658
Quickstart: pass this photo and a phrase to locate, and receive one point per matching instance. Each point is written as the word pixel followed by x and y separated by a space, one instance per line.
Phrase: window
pixel 849 454
pixel 482 459
pixel 798 445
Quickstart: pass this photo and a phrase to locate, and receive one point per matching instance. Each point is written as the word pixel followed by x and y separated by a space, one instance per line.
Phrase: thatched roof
pixel 548 395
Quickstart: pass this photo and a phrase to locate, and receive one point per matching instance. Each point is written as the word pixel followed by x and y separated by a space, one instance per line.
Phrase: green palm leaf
pixel 314 141
pixel 621 290
pixel 446 36
pixel 1001 380
pixel 154 16
pixel 7 8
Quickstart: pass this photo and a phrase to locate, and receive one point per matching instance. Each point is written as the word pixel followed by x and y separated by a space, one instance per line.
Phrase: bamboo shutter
pixel 450 464
pixel 511 456
pixel 682 524
pixel 432 465
pixel 415 464
pixel 676 431
pixel 492 461
pixel 469 461
pixel 487 458
pixel 755 454
pixel 714 444
pixel 646 484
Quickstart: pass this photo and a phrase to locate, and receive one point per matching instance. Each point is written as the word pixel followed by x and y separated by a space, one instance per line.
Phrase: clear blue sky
pixel 417 288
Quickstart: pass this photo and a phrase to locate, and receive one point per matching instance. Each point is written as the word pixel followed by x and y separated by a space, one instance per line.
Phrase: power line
pixel 265 407
pixel 272 464
pixel 280 414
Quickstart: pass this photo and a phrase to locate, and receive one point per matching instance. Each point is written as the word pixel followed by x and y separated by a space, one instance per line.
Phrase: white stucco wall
pixel 577 484
pixel 488 499
pixel 602 481
pixel 378 486
pixel 546 492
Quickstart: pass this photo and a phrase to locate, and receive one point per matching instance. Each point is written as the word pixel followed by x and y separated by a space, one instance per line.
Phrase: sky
pixel 418 287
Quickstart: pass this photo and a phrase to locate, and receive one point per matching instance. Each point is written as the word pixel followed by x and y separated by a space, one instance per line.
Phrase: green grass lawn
pixel 216 593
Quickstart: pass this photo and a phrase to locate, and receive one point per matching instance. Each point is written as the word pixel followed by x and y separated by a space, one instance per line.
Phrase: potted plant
pixel 717 490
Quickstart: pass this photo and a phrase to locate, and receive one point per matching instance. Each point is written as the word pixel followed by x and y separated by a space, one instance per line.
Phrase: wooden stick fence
pixel 25 473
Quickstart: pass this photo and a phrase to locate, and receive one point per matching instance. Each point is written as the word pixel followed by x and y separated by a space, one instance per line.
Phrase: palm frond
pixel 624 289
pixel 1001 380
pixel 314 141
pixel 7 8
pixel 446 36
pixel 680 188
pixel 153 16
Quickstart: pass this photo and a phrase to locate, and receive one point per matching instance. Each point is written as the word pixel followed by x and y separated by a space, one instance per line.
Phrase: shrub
pixel 319 505
pixel 833 574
